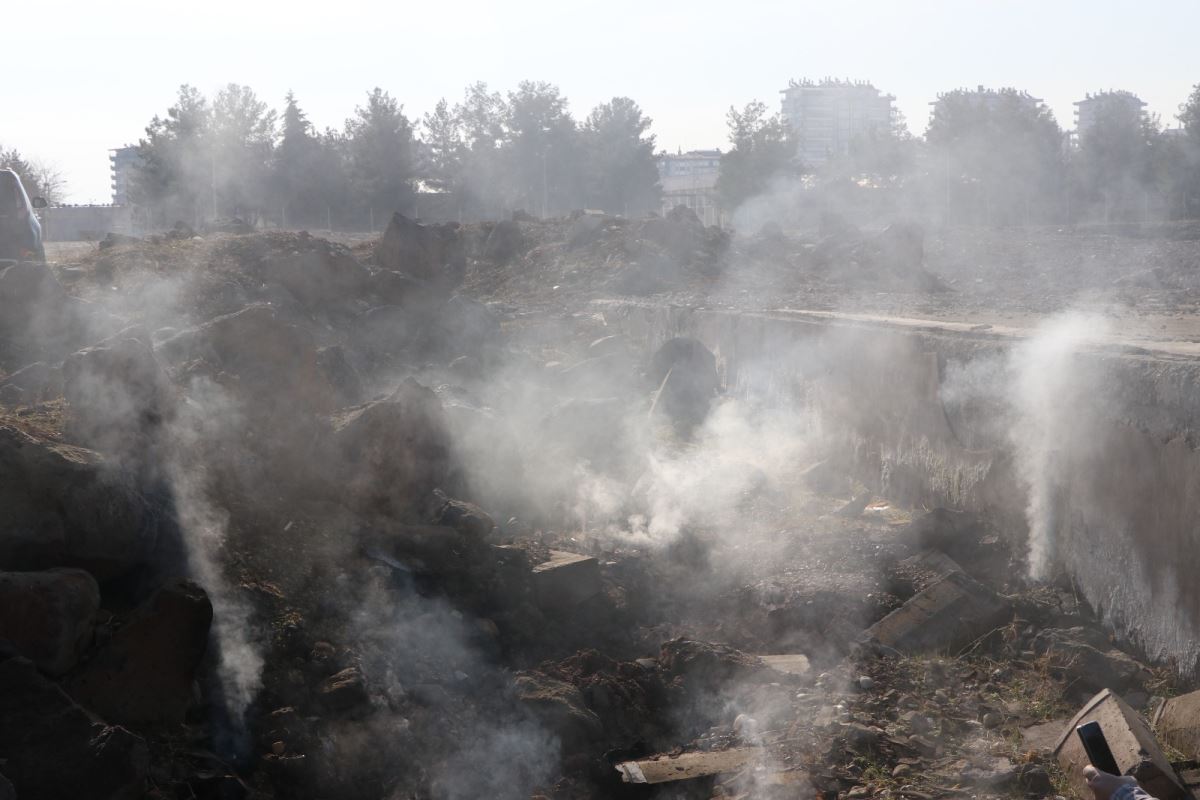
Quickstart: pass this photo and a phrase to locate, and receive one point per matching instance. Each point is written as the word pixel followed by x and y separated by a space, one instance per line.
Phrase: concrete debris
pixel 566 580
pixel 36 383
pixel 427 483
pixel 433 253
pixel 1089 662
pixel 393 452
pixel 56 750
pixel 145 673
pixel 794 665
pixel 1177 723
pixel 321 275
pixel 48 617
pixel 1133 746
pixel 118 396
pixel 683 374
pixel 560 706
pixel 687 766
pixel 64 506
pixel 947 616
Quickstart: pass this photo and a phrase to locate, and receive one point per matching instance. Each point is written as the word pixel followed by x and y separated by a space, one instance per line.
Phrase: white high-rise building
pixel 1088 110
pixel 826 116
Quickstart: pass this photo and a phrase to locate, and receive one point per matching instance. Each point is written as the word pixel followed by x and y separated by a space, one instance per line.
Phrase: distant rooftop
pixel 1110 94
pixel 828 83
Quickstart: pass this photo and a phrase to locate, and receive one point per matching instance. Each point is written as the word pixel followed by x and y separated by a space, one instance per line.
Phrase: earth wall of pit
pixel 1113 472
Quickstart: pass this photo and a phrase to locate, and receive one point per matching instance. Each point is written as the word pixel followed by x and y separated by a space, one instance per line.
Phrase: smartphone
pixel 1097 749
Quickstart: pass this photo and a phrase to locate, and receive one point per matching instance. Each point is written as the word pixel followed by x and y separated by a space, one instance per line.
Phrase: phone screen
pixel 1097 749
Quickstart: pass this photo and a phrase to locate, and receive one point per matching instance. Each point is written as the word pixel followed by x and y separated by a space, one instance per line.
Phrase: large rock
pixel 144 675
pixel 267 360
pixel 1133 746
pixel 34 314
pixel 118 396
pixel 948 615
pixel 684 375
pixel 54 749
pixel 34 383
pixel 433 253
pixel 64 506
pixel 48 616
pixel 560 707
pixel 1089 663
pixel 324 275
pixel 464 326
pixel 394 452
pixel 710 666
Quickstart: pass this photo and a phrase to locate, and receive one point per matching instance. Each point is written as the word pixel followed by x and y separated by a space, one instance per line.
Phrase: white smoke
pixel 204 526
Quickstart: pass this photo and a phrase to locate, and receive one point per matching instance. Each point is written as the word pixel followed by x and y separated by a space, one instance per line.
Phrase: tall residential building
pixel 1088 110
pixel 989 98
pixel 122 161
pixel 690 179
pixel 827 115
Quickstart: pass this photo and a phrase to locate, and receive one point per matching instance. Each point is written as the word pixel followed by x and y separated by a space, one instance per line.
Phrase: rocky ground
pixel 284 517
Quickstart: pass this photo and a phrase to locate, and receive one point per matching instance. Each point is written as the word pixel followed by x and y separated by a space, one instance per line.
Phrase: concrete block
pixel 795 666
pixel 566 580
pixel 1132 744
pixel 1177 723
pixel 685 766
pixel 947 616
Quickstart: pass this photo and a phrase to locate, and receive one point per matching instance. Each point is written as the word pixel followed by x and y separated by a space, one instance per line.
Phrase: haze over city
pixel 96 74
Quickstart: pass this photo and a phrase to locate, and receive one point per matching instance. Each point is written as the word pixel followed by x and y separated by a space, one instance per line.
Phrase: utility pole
pixel 545 191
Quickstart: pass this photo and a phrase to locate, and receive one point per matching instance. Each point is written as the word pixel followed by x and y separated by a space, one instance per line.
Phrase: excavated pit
pixel 520 541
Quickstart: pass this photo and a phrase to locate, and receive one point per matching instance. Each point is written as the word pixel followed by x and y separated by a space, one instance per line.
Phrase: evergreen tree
pixel 622 177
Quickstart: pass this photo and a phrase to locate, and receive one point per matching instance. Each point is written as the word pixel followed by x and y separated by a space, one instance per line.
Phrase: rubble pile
pixel 287 519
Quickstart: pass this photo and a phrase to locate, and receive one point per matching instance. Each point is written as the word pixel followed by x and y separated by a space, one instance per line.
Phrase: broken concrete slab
pixel 947 616
pixel 47 616
pixel 795 665
pixel 1043 737
pixel 933 563
pixel 1177 723
pixel 685 766
pixel 1133 746
pixel 1088 661
pixel 566 580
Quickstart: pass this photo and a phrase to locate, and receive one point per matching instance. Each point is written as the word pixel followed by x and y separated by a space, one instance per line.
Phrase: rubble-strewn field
pixel 283 517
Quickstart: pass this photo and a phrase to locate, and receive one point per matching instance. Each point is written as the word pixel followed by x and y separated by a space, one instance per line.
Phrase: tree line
pixel 486 155
pixel 992 157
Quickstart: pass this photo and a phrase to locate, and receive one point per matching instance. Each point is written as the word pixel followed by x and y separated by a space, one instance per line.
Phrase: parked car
pixel 20 231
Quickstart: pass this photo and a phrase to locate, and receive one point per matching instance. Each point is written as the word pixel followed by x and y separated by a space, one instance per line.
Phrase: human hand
pixel 1102 784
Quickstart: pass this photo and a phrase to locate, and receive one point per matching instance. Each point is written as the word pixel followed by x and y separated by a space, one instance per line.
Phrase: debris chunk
pixel 685 766
pixel 566 580
pixel 1133 746
pixel 1177 723
pixel 946 616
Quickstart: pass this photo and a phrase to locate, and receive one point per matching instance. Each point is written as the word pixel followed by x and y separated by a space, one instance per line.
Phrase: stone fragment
pixel 343 691
pixel 1177 723
pixel 566 580
pixel 144 675
pixel 1133 746
pixel 54 749
pixel 47 616
pixel 560 707
pixel 948 615
pixel 1088 661
pixel 686 766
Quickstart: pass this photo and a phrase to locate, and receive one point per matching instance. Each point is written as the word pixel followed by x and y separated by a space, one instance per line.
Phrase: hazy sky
pixel 88 76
